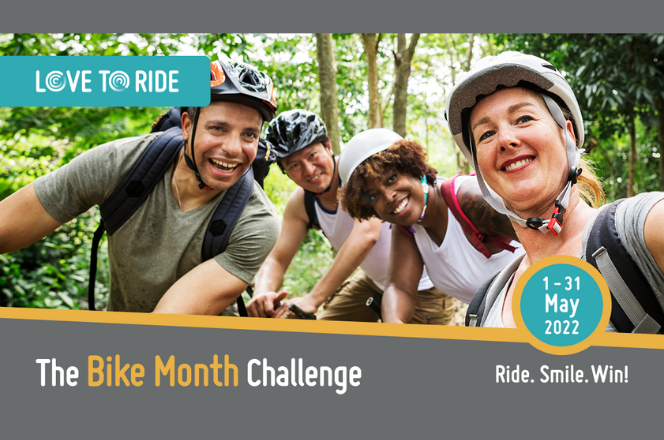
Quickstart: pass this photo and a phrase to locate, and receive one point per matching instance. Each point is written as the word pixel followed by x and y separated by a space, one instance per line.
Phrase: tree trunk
pixel 612 175
pixel 469 54
pixel 449 52
pixel 463 167
pixel 327 77
pixel 370 43
pixel 632 153
pixel 402 59
pixel 489 38
pixel 462 163
pixel 660 137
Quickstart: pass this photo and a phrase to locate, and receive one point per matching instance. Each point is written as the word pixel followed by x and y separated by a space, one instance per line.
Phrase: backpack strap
pixel 132 192
pixel 141 180
pixel 310 208
pixel 488 292
pixel 265 156
pixel 96 238
pixel 168 120
pixel 223 221
pixel 226 215
pixel 475 310
pixel 634 307
pixel 477 239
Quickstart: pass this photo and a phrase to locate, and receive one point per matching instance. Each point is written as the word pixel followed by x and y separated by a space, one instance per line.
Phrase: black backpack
pixel 634 306
pixel 310 208
pixel 146 173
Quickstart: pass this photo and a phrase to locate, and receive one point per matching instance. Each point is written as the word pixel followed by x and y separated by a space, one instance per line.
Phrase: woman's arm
pixel 404 273
pixel 486 219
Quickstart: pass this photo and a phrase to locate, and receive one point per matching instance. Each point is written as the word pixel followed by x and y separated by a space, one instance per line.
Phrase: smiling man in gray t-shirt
pixel 155 257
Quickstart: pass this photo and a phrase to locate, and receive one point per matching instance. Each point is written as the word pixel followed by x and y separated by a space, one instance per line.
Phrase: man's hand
pixel 307 303
pixel 262 305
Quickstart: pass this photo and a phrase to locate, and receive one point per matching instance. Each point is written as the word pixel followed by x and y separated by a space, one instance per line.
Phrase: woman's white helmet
pixel 362 146
pixel 509 69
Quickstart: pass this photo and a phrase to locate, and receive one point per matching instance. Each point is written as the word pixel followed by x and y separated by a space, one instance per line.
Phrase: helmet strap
pixel 425 188
pixel 191 162
pixel 553 225
pixel 334 171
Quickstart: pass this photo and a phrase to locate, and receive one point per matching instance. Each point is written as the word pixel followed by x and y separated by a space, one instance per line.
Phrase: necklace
pixel 425 188
pixel 175 181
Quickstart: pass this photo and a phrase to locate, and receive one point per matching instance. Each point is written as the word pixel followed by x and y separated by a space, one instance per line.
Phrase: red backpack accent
pixel 477 239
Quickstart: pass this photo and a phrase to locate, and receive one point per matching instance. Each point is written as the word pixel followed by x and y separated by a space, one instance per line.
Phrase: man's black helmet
pixel 294 130
pixel 244 84
pixel 234 82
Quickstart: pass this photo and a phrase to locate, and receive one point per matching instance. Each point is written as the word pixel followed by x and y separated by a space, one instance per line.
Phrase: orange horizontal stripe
pixel 325 327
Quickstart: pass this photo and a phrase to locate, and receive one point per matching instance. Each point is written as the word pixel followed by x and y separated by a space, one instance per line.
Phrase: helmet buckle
pixel 574 173
pixel 534 223
pixel 556 223
pixel 554 226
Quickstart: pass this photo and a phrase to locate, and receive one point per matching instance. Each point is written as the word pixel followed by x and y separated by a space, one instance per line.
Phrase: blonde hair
pixel 590 188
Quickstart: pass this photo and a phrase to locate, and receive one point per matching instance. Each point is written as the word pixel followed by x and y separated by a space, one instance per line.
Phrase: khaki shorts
pixel 349 303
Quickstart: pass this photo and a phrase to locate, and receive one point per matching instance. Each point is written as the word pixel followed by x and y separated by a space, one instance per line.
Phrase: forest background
pixel 355 82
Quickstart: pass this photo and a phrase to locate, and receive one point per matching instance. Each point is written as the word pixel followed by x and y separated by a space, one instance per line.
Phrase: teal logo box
pixel 82 81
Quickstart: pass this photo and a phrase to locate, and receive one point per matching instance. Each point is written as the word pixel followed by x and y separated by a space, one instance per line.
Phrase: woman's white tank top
pixel 456 267
pixel 337 226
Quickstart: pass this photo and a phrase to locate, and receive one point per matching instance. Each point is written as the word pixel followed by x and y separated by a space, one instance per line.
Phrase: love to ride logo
pixel 119 81
pixel 106 81
pixel 158 81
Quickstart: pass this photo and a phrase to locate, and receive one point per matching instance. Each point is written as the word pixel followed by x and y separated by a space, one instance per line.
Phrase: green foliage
pixel 34 141
pixel 611 159
pixel 613 76
pixel 278 188
pixel 310 263
pixel 618 80
pixel 53 273
pixel 314 256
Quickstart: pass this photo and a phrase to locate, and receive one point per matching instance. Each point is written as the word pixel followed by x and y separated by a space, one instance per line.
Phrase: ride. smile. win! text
pixel 111 371
pixel 568 374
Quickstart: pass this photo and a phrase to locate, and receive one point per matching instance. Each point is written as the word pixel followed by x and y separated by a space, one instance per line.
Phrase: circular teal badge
pixel 561 305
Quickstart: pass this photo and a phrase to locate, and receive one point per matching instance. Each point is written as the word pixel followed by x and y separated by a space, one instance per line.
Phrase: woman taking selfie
pixel 517 121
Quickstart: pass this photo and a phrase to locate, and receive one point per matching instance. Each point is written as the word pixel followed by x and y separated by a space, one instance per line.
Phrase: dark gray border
pixel 429 388
pixel 337 15
pixel 410 388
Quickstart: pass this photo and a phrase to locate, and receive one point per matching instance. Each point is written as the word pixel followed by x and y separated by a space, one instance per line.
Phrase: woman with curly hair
pixel 443 224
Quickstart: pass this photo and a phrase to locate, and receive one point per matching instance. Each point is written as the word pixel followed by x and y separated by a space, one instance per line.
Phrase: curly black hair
pixel 404 157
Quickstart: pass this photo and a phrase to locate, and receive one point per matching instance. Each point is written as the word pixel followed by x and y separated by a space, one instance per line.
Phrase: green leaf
pixel 67 300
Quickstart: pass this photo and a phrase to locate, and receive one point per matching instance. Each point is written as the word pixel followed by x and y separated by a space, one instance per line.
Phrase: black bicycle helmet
pixel 234 82
pixel 244 84
pixel 294 130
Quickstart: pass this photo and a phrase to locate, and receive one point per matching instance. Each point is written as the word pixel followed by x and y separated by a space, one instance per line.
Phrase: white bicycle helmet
pixel 362 146
pixel 509 69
